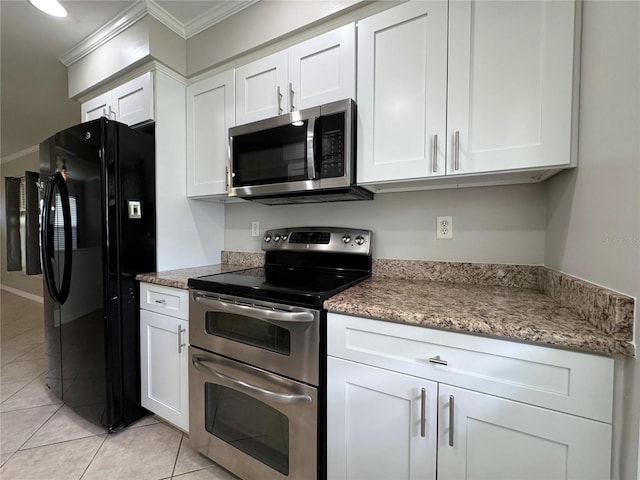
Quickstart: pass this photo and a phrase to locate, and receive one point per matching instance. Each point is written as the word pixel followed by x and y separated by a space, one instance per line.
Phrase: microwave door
pixel 276 160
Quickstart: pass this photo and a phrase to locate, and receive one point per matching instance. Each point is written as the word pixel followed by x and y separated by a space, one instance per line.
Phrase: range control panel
pixel 318 239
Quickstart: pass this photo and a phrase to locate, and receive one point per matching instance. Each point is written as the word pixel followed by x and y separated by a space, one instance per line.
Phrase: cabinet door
pixel 323 69
pixel 132 102
pixel 164 367
pixel 96 107
pixel 510 85
pixel 500 439
pixel 374 420
pixel 402 89
pixel 261 88
pixel 210 114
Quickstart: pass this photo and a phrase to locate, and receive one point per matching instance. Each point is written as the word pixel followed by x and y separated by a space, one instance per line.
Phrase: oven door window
pixel 249 425
pixel 250 331
pixel 276 155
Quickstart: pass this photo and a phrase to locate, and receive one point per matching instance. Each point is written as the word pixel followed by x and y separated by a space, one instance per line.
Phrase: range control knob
pixel 284 238
pixel 276 238
pixel 346 239
pixel 359 240
pixel 267 238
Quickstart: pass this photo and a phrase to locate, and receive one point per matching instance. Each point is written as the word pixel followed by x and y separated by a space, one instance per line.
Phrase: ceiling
pixel 33 82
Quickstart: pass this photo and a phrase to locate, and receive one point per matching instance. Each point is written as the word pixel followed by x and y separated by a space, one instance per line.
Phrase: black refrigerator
pixel 97 231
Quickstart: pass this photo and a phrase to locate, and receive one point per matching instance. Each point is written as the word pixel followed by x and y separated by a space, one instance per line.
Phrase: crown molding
pixel 219 12
pixel 216 14
pixel 22 153
pixel 101 36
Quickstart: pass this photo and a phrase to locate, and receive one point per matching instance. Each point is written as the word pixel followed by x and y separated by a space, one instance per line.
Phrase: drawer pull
pixel 423 414
pixel 161 301
pixel 437 360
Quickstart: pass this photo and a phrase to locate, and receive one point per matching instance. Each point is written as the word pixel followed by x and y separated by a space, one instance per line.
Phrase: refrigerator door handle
pixel 46 240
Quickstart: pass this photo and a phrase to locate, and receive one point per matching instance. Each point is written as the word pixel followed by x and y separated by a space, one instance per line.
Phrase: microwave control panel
pixel 332 156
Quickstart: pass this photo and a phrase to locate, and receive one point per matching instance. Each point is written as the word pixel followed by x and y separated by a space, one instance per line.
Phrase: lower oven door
pixel 255 424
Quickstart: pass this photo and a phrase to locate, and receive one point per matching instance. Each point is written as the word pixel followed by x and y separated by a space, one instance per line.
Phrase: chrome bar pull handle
pixel 181 343
pixel 456 155
pixel 437 360
pixel 423 414
pixel 291 93
pixel 434 160
pixel 279 101
pixel 451 417
pixel 161 301
pixel 104 111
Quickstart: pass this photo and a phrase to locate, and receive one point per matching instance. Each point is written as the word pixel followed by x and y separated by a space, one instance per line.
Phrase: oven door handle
pixel 255 312
pixel 286 398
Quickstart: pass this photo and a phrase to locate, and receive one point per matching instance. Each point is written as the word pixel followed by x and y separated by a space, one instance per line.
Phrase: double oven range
pixel 257 380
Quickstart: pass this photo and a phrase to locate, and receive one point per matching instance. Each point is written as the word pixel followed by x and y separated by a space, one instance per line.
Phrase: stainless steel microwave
pixel 301 157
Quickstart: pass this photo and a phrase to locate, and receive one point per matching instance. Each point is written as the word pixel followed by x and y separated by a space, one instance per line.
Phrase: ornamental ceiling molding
pixel 217 13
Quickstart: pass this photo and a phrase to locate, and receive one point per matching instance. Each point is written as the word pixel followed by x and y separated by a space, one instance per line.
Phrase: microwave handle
pixel 312 152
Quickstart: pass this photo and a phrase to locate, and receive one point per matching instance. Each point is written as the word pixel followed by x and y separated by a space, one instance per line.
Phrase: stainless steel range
pixel 257 375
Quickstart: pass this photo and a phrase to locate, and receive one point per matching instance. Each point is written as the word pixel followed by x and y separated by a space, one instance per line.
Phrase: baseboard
pixel 21 293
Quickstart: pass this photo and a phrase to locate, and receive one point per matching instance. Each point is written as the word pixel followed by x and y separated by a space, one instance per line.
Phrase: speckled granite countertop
pixel 515 302
pixel 507 312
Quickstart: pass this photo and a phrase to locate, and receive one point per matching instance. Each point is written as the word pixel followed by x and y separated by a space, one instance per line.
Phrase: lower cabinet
pixel 164 360
pixel 482 436
pixel 383 423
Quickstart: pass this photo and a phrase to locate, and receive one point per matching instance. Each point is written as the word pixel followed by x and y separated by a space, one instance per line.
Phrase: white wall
pixel 490 224
pixel 593 212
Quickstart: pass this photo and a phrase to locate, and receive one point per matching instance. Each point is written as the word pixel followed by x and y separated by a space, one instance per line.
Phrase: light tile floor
pixel 40 438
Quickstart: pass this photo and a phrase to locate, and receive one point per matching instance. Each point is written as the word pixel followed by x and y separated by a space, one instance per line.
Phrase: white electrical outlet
pixel 444 228
pixel 255 229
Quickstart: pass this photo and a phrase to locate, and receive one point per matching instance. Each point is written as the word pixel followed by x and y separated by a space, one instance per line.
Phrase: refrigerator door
pixel 130 249
pixel 75 163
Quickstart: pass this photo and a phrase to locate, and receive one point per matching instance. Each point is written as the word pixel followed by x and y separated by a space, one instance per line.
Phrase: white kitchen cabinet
pixel 519 411
pixel 493 80
pixel 323 69
pixel 210 114
pixel 130 103
pixel 317 71
pixel 164 353
pixel 502 440
pixel 402 92
pixel 511 79
pixel 375 423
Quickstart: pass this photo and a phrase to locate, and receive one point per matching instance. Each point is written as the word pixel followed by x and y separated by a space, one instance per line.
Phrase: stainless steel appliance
pixel 300 157
pixel 97 232
pixel 257 375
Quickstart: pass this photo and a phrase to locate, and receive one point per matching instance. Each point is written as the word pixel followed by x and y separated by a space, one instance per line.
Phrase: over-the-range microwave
pixel 301 157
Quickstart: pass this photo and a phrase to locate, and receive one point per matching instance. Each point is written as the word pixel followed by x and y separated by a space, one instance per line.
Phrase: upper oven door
pixel 274 155
pixel 279 338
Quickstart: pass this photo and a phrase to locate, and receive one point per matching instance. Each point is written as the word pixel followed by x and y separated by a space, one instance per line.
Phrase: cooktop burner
pixel 303 266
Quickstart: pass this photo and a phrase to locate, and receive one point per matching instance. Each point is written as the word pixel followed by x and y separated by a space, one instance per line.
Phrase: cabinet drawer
pixel 566 381
pixel 166 300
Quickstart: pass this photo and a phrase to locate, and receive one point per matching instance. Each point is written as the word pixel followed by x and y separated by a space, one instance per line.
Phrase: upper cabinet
pixel 210 114
pixel 130 103
pixel 402 92
pixel 317 71
pixel 486 88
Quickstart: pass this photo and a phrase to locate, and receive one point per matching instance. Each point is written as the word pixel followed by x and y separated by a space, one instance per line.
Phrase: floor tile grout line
pixel 84 472
pixel 40 427
pixel 22 388
pixel 175 463
pixel 60 442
